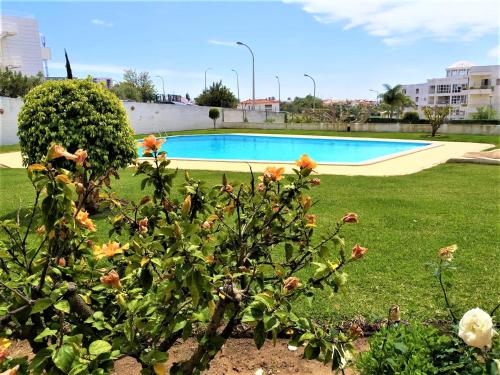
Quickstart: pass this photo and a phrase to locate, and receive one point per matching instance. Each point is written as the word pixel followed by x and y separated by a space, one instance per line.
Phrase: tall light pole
pixel 253 72
pixel 163 87
pixel 314 95
pixel 206 70
pixel 279 90
pixel 237 84
pixel 377 92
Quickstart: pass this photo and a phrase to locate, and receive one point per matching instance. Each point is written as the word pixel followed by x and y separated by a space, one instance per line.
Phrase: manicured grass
pixel 9 148
pixel 404 221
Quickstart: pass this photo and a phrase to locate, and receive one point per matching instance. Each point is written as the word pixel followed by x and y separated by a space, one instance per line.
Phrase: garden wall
pixel 392 128
pixel 157 118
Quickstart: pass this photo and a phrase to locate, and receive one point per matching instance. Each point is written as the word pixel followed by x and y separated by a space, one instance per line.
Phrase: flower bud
pixel 61 262
pixel 186 205
pixel 291 283
pixel 350 218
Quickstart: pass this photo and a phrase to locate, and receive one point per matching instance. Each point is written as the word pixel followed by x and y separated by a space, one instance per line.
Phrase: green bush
pixel 77 114
pixel 411 117
pixel 417 349
pixel 214 114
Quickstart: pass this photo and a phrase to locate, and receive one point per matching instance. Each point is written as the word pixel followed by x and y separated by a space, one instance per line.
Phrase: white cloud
pixel 98 22
pixel 117 69
pixel 404 21
pixel 222 43
pixel 494 52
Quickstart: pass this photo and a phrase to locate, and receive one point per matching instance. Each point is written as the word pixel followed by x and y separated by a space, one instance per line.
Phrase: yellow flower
pixel 81 156
pixel 446 253
pixel 110 249
pixel 36 167
pixel 160 369
pixel 311 220
pixel 4 346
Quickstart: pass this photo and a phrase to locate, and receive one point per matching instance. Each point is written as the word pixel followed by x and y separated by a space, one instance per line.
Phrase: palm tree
pixel 393 97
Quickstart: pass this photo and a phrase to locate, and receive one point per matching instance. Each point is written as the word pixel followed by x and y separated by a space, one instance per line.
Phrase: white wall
pixel 8 120
pixel 153 118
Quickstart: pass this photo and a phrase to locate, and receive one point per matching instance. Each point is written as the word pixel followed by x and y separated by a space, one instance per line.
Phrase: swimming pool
pixel 266 148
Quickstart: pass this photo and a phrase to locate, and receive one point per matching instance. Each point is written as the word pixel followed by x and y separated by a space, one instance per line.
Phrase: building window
pixel 485 83
pixel 443 89
pixel 417 91
pixel 416 99
pixel 432 89
pixel 431 100
pixel 404 91
pixel 498 81
pixel 459 99
pixel 268 107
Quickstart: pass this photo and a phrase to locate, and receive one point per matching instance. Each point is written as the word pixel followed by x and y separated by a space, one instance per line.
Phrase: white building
pixel 21 49
pixel 465 88
pixel 270 105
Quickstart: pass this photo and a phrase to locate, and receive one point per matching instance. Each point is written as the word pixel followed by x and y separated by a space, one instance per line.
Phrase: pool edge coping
pixel 430 145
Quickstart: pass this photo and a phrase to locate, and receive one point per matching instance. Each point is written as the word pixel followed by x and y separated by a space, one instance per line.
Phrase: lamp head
pixel 239 43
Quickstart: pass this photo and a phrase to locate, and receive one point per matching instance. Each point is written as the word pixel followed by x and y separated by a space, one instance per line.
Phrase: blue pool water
pixel 284 149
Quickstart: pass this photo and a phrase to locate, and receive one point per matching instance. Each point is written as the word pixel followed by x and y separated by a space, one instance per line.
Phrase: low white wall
pixel 478 129
pixel 156 118
pixel 8 120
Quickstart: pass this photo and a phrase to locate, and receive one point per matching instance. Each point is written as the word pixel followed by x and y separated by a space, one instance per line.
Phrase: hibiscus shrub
pixel 76 114
pixel 219 258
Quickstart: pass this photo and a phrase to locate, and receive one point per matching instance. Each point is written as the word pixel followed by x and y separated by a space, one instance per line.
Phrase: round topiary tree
pixel 214 115
pixel 77 114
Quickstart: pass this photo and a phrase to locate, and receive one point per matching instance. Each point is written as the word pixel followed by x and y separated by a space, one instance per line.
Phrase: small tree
pixel 214 114
pixel 136 86
pixel 484 113
pixel 217 95
pixel 436 116
pixel 16 85
pixel 411 117
pixel 78 115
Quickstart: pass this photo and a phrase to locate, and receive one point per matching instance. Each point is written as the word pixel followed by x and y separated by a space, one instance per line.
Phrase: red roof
pixel 260 101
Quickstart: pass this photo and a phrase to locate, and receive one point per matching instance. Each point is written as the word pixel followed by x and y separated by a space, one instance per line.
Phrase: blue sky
pixel 349 47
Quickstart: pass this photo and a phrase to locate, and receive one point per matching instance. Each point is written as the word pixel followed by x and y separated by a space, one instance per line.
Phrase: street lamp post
pixel 314 95
pixel 253 72
pixel 163 87
pixel 206 70
pixel 377 92
pixel 237 84
pixel 279 90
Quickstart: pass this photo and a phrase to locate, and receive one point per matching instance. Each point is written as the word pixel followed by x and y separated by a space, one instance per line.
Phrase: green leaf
pixel 41 305
pixel 259 335
pixel 288 251
pixel 99 347
pixel 63 306
pixel 37 364
pixel 64 357
pixel 46 332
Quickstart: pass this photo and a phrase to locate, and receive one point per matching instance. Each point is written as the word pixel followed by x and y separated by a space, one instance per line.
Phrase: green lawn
pixel 404 220
pixel 492 139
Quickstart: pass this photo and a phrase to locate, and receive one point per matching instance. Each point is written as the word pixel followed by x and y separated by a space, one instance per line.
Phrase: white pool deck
pixel 394 165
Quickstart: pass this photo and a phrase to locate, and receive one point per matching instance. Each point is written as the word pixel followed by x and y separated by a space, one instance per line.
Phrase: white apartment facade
pixel 269 105
pixel 21 47
pixel 465 88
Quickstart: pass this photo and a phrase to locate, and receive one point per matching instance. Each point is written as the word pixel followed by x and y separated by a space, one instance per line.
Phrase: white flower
pixel 476 328
pixel 259 371
pixel 292 348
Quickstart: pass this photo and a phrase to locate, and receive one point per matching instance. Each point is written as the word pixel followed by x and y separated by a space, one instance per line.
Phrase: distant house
pixel 269 105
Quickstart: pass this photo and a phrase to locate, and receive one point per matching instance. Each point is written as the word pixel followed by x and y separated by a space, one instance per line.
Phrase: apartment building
pixel 465 88
pixel 22 46
pixel 269 104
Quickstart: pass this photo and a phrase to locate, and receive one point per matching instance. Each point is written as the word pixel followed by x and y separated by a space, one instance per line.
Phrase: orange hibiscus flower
pixel 358 251
pixel 109 249
pixel 151 144
pixel 272 174
pixel 112 279
pixel 306 162
pixel 82 218
pixel 57 151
